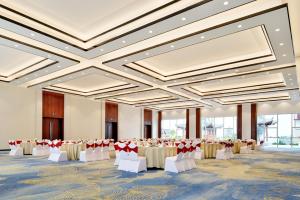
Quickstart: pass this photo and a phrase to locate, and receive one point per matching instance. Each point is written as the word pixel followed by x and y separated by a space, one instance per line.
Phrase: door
pixel 148 131
pixel 111 130
pixel 53 128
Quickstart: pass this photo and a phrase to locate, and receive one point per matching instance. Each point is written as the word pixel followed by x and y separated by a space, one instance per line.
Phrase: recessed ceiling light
pixel 154 80
pixel 289 74
pixel 267 72
pixel 141 75
pixel 277 29
pixel 125 69
pixel 183 18
pixel 123 41
pixel 172 46
pixel 213 74
pixel 147 53
pixel 284 55
pixel 150 31
pixel 70 77
pixel 16 45
pixel 281 44
pixel 66 47
pixel 106 74
pixel 175 81
pixel 226 3
pixel 202 37
pixel 193 78
pixel 35 75
pixel 101 49
pixel 26 78
pixel 236 70
pixel 290 79
pixel 240 26
pixel 262 65
pixel 32 34
pixel 58 66
pixel 125 60
pixel 46 70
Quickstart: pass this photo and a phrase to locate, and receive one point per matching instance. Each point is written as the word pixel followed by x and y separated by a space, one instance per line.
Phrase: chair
pixel 246 149
pixel 221 154
pixel 198 152
pixel 46 147
pixel 117 153
pixel 15 148
pixel 132 162
pixel 38 150
pixel 105 150
pixel 176 163
pixel 87 155
pixel 98 150
pixel 56 154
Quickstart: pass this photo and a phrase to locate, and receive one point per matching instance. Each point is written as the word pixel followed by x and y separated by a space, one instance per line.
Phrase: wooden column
pixel 198 123
pixel 253 122
pixel 239 123
pixel 187 129
pixel 159 124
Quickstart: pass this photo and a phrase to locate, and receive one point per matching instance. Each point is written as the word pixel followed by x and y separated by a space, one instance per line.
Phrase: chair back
pixel 133 151
pixel 180 151
pixel 123 150
pixel 106 145
pixel 90 145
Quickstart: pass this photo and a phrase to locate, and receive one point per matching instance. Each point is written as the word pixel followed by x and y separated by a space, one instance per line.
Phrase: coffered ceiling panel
pixel 160 55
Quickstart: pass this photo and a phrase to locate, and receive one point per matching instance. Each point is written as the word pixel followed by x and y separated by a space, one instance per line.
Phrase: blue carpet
pixel 262 175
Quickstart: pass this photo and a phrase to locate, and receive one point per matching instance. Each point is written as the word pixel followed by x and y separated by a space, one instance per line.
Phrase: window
pixel 282 130
pixel 174 129
pixel 219 128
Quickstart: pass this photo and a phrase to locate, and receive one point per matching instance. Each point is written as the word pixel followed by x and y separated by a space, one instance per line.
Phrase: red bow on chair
pixel 116 147
pixel 51 144
pixel 124 148
pixel 39 143
pixel 58 144
pixel 135 149
pixel 179 150
pixel 12 143
pixel 198 145
pixel 18 141
pixel 105 144
pixel 97 145
pixel 90 145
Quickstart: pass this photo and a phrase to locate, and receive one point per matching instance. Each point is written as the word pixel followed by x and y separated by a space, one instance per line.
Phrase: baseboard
pixel 4 149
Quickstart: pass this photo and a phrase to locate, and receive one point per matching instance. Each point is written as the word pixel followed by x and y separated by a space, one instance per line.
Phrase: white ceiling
pixel 212 47
pixel 12 60
pixel 90 82
pixel 230 48
pixel 84 19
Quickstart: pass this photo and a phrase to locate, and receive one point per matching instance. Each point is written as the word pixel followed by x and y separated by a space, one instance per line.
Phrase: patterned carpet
pixel 263 175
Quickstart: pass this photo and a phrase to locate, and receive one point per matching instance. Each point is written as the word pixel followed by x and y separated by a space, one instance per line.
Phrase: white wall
pixel 246 121
pixel 192 119
pixel 222 111
pixel 129 122
pixel 83 118
pixel 154 124
pixel 283 107
pixel 20 114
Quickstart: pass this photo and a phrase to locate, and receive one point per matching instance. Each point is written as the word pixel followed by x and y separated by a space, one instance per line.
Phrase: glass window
pixel 219 127
pixel 174 129
pixel 282 130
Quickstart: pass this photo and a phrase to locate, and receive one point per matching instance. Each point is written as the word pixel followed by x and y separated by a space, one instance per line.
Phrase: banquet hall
pixel 149 99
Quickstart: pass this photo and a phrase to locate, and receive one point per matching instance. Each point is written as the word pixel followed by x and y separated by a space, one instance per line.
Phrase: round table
pixel 73 150
pixel 28 147
pixel 155 156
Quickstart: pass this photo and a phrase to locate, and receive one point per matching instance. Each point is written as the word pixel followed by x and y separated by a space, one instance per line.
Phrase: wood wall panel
pixel 198 123
pixel 254 121
pixel 53 105
pixel 147 117
pixel 159 124
pixel 111 112
pixel 187 129
pixel 239 119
